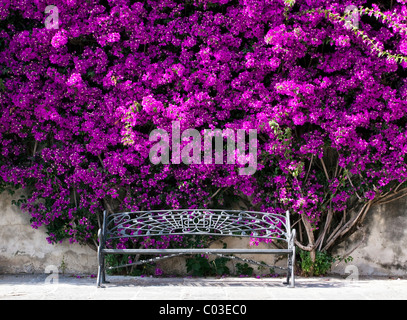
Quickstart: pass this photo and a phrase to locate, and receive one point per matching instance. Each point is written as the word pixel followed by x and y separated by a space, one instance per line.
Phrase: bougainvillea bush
pixel 322 82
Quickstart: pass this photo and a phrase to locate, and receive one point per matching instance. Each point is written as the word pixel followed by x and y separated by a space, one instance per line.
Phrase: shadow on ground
pixel 116 281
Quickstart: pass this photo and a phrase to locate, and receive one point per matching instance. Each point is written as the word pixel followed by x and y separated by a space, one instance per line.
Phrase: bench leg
pixel 291 265
pixel 98 280
pixel 104 275
pixel 101 277
pixel 287 282
pixel 290 270
pixel 288 277
pixel 292 258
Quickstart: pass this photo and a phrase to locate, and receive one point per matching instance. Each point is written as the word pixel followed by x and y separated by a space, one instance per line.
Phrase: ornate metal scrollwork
pixel 197 221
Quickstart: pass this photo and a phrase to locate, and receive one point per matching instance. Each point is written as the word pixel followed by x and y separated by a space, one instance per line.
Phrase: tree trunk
pixel 311 242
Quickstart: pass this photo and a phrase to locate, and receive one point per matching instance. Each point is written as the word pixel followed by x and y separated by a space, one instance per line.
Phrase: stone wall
pixel 26 250
pixel 382 251
pixel 382 248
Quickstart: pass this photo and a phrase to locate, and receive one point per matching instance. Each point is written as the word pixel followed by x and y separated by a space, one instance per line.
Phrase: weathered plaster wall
pixel 24 249
pixel 383 247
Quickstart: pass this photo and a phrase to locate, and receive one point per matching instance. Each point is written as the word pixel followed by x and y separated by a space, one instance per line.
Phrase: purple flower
pixel 74 79
pixel 403 47
pixel 60 39
pixel 158 272
pixel 113 37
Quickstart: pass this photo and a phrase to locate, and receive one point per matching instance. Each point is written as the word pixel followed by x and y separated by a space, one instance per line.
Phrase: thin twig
pixel 352 222
pixel 108 205
pixel 389 195
pixel 391 200
pixel 320 240
pixel 339 226
pixel 323 165
pixel 101 162
pixel 35 147
pixel 348 225
pixel 309 169
pixel 214 195
pixel 347 175
pixel 396 190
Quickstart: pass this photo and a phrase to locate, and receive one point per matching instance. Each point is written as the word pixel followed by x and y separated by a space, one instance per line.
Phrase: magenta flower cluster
pixel 78 104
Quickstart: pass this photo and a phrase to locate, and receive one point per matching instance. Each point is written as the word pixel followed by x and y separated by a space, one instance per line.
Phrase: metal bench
pixel 226 223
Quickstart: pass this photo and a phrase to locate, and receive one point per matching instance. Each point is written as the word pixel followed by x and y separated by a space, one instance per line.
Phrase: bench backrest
pixel 197 221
